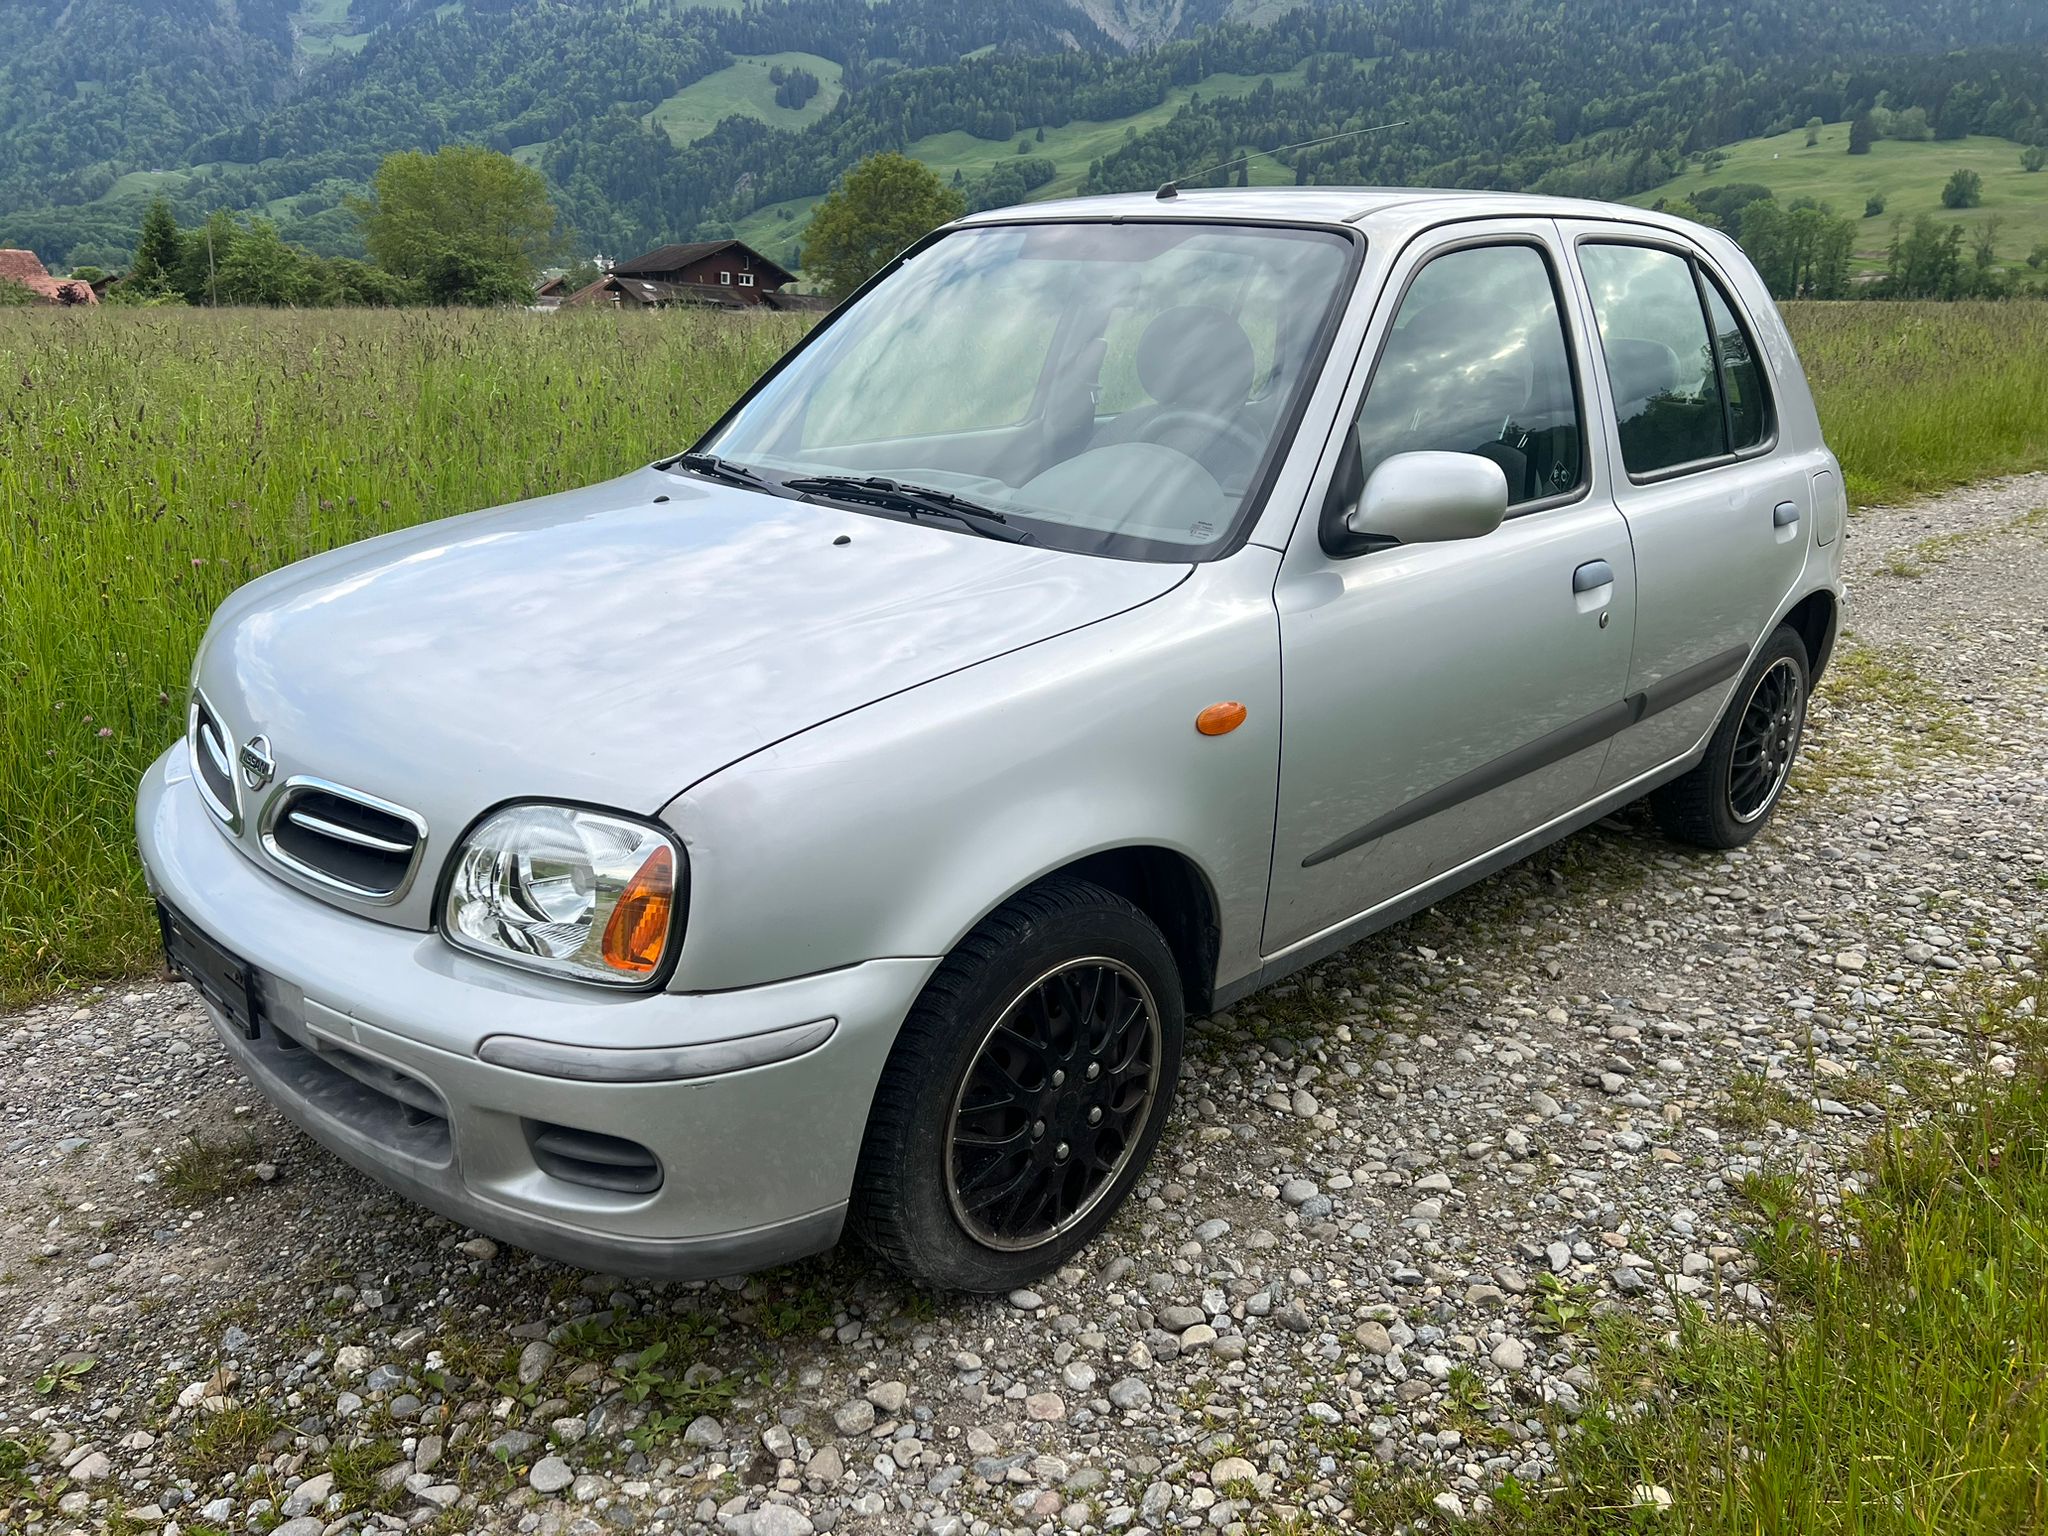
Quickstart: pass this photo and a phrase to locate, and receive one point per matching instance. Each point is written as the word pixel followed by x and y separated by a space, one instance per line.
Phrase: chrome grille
pixel 213 762
pixel 343 839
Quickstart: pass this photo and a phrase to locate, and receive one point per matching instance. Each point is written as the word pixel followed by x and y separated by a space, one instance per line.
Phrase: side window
pixel 1477 363
pixel 1660 360
pixel 1741 377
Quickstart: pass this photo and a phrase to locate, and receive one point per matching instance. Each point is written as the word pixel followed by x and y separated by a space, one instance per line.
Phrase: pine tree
pixel 1862 133
pixel 156 252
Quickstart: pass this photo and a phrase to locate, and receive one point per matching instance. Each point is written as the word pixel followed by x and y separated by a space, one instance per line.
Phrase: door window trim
pixel 1331 532
pixel 1703 272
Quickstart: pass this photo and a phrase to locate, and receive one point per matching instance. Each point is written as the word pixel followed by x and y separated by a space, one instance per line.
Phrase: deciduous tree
pixel 885 203
pixel 470 223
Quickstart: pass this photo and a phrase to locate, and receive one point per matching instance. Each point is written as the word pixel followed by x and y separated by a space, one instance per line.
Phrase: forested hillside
pixel 1604 97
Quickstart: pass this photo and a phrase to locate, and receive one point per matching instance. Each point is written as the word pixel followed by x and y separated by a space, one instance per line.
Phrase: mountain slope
pixel 619 102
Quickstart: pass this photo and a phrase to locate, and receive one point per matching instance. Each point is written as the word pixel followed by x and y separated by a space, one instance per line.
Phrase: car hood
pixel 616 644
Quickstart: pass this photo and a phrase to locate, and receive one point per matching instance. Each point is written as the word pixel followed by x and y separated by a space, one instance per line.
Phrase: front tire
pixel 1729 796
pixel 1025 1093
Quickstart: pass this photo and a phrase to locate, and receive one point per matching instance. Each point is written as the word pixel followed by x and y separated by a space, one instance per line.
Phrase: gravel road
pixel 1353 1290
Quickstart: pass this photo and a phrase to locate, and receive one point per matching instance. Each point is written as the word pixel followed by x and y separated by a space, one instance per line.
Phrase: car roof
pixel 1416 207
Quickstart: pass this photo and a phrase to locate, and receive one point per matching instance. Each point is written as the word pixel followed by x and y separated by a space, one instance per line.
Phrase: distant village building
pixel 24 270
pixel 723 274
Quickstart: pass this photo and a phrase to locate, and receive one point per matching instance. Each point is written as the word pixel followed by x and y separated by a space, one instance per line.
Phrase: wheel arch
pixel 1171 889
pixel 1816 619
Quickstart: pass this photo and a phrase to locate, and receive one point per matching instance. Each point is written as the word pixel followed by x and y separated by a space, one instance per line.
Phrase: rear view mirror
pixel 1430 498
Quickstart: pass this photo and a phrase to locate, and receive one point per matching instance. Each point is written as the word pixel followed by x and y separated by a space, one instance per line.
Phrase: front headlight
pixel 571 892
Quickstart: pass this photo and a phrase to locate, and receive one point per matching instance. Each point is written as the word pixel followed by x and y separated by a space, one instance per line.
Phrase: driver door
pixel 1442 699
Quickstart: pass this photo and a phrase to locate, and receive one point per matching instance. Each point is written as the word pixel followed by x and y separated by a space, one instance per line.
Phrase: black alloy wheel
pixel 1049 1112
pixel 1024 1093
pixel 1728 796
pixel 1766 740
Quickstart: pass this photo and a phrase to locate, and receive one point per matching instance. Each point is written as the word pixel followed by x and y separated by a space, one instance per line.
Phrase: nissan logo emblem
pixel 258 766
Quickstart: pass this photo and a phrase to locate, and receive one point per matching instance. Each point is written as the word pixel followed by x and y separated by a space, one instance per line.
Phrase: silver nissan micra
pixel 1114 606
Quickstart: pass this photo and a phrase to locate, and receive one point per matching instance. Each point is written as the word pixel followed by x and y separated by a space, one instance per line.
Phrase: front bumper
pixel 370 1044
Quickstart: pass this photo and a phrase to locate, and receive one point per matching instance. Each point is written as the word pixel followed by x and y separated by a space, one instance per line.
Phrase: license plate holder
pixel 222 978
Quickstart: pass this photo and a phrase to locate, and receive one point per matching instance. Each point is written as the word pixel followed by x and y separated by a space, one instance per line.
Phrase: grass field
pixel 1916 397
pixel 1910 175
pixel 743 89
pixel 152 461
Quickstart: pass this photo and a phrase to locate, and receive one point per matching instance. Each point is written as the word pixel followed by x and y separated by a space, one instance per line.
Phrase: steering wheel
pixel 1208 428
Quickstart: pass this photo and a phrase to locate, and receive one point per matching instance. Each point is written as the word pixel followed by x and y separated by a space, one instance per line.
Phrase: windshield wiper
pixel 915 500
pixel 712 467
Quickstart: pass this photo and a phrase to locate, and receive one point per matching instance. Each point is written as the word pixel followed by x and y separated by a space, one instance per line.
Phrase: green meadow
pixel 1909 174
pixel 744 89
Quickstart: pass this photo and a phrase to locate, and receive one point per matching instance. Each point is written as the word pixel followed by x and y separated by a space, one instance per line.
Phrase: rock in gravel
pixel 89 1468
pixel 550 1474
pixel 1231 1469
pixel 1130 1394
pixel 301 1525
pixel 771 1520
pixel 1026 1301
pixel 856 1417
pixel 351 1361
pixel 704 1431
pixel 534 1361
pixel 1510 1354
pixel 825 1465
pixel 1372 1337
pixel 1045 1407
pixel 889 1396
pixel 309 1495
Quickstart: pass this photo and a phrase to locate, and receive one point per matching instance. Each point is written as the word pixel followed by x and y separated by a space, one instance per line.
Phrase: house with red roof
pixel 24 270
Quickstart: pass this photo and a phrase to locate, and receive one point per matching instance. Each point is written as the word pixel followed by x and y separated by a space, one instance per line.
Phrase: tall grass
pixel 1918 397
pixel 152 461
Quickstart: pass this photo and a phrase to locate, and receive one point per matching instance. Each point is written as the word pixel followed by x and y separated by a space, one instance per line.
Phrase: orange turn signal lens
pixel 1220 719
pixel 638 931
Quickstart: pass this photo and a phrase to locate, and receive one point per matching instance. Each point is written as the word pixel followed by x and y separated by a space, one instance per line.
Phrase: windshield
pixel 1111 388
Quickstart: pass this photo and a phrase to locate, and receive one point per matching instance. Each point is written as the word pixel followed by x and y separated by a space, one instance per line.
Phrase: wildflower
pixel 105 732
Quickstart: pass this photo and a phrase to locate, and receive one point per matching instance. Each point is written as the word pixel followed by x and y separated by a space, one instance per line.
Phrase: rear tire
pixel 1025 1092
pixel 1729 797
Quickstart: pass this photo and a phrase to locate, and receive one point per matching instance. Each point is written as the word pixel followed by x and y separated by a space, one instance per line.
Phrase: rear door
pixel 1718 517
pixel 1442 699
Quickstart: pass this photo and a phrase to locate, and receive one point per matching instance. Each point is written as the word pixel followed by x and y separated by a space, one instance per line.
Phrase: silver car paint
pixel 612 645
pixel 865 748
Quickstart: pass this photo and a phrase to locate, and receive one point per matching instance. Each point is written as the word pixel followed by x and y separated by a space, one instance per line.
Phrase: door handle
pixel 1592 576
pixel 1785 514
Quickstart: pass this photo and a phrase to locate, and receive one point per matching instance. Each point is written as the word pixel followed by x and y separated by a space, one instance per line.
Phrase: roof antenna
pixel 1169 190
